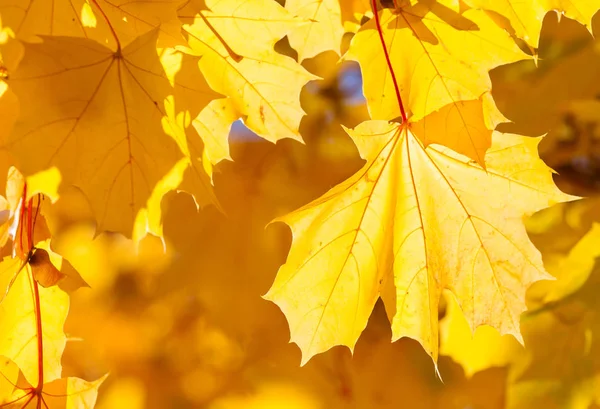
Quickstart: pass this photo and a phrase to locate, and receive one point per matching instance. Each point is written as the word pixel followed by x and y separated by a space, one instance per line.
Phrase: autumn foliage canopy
pixel 405 190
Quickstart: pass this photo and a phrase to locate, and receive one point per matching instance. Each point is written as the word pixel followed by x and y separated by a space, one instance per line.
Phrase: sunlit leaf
pixel 118 163
pixel 408 225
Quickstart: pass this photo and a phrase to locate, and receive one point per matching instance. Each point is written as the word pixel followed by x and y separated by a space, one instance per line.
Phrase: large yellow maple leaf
pixel 236 39
pixel 102 118
pixel 412 222
pixel 439 58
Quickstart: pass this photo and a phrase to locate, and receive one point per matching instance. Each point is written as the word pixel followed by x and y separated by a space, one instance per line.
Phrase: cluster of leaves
pixel 115 106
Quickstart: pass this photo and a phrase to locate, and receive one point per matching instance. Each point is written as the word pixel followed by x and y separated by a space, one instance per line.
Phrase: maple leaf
pixel 437 58
pixel 324 32
pixel 105 135
pixel 236 40
pixel 410 223
pixel 526 16
pixel 114 23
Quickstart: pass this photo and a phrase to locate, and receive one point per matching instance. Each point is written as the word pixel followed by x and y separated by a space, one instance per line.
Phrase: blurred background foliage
pixel 187 327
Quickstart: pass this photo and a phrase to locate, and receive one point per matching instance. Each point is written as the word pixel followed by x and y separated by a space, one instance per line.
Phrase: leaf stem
pixel 29 226
pixel 388 61
pixel 112 30
pixel 235 56
pixel 40 342
pixel 22 218
pixel 30 219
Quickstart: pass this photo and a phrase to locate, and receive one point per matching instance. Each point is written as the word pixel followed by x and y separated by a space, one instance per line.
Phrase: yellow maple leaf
pixel 98 116
pixel 236 39
pixel 114 23
pixel 324 31
pixel 412 222
pixel 526 16
pixel 439 57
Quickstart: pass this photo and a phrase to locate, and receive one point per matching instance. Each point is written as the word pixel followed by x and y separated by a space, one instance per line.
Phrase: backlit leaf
pixel 410 223
pixel 106 134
